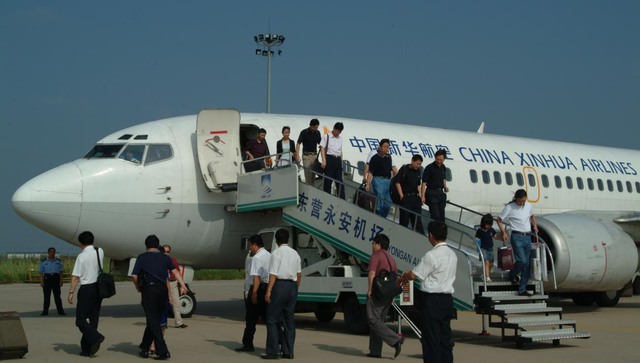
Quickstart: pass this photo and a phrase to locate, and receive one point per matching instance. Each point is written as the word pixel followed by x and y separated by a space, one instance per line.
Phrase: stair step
pixel 539 333
pixel 552 334
pixel 519 306
pixel 528 310
pixel 529 319
pixel 547 322
pixel 512 295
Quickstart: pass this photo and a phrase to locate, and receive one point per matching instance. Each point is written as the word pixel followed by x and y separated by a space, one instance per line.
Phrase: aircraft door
pixel 218 146
pixel 532 184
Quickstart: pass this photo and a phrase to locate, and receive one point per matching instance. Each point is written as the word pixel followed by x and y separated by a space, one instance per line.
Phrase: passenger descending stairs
pixel 523 319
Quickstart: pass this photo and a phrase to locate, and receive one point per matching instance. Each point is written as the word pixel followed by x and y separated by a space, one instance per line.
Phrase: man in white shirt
pixel 86 272
pixel 257 273
pixel 282 293
pixel 331 148
pixel 520 215
pixel 437 272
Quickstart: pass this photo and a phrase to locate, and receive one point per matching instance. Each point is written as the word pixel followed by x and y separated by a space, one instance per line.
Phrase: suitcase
pixel 538 262
pixel 505 259
pixel 13 341
pixel 366 201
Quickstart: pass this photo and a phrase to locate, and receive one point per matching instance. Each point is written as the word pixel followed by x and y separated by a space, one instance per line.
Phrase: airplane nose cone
pixel 52 201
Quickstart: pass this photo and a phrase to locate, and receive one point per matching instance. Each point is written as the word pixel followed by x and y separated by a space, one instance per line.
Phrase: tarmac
pixel 216 330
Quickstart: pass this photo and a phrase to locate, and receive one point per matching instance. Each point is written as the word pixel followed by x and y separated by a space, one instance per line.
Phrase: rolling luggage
pixel 364 200
pixel 505 259
pixel 13 341
pixel 538 262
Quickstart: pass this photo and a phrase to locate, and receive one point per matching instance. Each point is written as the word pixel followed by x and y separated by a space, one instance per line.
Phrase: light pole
pixel 265 42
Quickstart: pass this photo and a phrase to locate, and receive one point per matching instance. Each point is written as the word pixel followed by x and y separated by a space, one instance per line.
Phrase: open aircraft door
pixel 532 184
pixel 218 140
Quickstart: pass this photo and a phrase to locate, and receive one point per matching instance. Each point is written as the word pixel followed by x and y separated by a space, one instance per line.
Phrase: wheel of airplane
pixel 355 315
pixel 188 304
pixel 583 299
pixel 325 316
pixel 607 298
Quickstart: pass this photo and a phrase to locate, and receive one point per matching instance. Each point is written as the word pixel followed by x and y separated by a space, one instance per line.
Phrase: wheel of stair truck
pixel 556 342
pixel 583 298
pixel 325 316
pixel 607 299
pixel 355 316
pixel 188 304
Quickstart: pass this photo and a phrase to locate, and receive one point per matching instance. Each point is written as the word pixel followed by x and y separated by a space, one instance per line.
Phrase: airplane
pixel 177 178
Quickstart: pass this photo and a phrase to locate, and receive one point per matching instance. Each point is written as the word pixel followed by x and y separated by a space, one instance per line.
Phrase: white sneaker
pixel 489 279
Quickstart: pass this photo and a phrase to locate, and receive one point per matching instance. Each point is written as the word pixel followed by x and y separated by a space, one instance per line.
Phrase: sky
pixel 73 72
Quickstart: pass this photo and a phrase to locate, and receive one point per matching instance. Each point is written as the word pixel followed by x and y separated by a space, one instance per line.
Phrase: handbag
pixel 505 259
pixel 365 201
pixel 106 284
pixel 384 286
pixel 317 165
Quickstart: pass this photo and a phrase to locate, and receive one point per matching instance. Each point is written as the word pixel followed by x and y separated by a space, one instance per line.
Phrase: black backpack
pixel 393 190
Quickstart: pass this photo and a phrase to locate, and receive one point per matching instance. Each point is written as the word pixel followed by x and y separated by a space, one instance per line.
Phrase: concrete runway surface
pixel 216 330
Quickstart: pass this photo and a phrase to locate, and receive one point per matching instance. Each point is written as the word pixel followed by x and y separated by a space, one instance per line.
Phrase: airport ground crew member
pixel 258 279
pixel 51 281
pixel 437 272
pixel 85 272
pixel 408 184
pixel 377 310
pixel 434 179
pixel 282 293
pixel 150 271
pixel 309 139
pixel 174 292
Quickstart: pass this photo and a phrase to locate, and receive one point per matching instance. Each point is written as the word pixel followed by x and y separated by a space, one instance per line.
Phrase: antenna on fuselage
pixel 481 128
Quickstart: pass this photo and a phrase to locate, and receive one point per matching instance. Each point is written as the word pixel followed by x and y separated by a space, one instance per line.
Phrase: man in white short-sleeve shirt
pixel 331 149
pixel 282 293
pixel 437 272
pixel 85 272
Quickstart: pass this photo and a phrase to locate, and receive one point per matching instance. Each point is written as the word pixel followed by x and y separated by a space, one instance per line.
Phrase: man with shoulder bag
pixel 381 262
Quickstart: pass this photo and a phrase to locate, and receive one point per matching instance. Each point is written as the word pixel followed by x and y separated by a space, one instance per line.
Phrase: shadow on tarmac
pixel 73 349
pixel 460 337
pixel 232 345
pixel 341 350
pixel 127 348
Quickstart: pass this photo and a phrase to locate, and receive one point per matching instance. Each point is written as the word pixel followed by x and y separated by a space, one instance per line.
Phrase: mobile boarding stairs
pixel 349 228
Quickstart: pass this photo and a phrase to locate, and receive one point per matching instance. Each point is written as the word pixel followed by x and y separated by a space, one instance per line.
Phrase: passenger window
pixel 619 185
pixel 569 182
pixel 133 153
pixel 600 185
pixel 497 177
pixel 508 178
pixel 637 187
pixel 609 185
pixel 485 177
pixel 590 184
pixel 532 180
pixel 520 179
pixel 558 181
pixel 361 166
pixel 474 176
pixel 104 151
pixel 448 174
pixel 545 181
pixel 157 153
pixel 580 183
pixel 629 187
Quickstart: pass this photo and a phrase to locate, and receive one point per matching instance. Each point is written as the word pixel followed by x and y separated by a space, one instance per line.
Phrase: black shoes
pixel 287 356
pixel 269 356
pixel 163 356
pixel 96 346
pixel 245 348
pixel 62 313
pixel 525 293
pixel 398 347
pixel 144 354
pixel 373 355
pixel 44 314
pixel 182 326
pixel 85 354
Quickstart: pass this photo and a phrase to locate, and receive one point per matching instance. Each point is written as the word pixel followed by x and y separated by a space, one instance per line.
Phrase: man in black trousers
pixel 434 186
pixel 282 294
pixel 331 148
pixel 408 185
pixel 51 281
pixel 150 271
pixel 85 272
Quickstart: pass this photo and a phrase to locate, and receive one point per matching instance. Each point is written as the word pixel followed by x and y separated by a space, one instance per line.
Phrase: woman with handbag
pixel 383 273
pixel 286 147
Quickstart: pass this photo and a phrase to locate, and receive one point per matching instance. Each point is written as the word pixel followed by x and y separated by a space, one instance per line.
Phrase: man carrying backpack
pixel 408 185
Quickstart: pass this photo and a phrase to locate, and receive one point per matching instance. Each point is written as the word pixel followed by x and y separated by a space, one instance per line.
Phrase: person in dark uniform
pixel 51 280
pixel 437 272
pixel 282 293
pixel 408 184
pixel 309 139
pixel 85 272
pixel 435 180
pixel 150 271
pixel 255 305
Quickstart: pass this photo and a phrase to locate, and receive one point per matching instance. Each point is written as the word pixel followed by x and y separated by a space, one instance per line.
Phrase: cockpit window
pixel 133 153
pixel 140 137
pixel 104 151
pixel 157 153
pixel 125 137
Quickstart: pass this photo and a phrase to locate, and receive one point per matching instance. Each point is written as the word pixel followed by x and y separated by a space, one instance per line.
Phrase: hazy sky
pixel 72 72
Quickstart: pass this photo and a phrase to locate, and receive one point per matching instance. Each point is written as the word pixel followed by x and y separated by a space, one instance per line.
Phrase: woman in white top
pixel 520 215
pixel 285 147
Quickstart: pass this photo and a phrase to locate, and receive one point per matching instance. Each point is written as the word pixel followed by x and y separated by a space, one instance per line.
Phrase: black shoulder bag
pixel 106 284
pixel 384 286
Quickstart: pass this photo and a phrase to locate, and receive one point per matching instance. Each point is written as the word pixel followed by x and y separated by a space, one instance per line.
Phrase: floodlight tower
pixel 265 42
